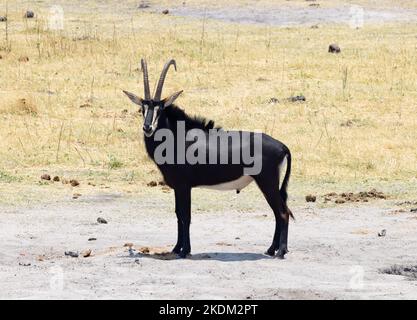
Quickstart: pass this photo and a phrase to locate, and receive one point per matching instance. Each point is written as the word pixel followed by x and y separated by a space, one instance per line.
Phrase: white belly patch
pixel 237 184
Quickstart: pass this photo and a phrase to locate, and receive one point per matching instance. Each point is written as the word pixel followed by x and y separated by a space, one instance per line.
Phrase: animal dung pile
pixel 398 270
pixel 152 184
pixel 363 196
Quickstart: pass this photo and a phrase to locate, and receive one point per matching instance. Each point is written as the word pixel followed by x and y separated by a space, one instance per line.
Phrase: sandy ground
pixel 335 253
pixel 288 16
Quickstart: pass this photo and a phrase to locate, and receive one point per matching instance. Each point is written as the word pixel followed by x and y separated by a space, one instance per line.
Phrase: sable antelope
pixel 162 116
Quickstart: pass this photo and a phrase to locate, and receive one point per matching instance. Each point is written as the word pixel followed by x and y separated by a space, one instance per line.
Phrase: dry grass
pixel 357 125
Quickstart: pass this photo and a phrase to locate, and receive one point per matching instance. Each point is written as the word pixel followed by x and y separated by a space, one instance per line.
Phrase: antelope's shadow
pixel 216 256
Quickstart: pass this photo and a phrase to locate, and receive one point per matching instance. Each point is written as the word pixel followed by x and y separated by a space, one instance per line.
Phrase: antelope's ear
pixel 135 99
pixel 170 100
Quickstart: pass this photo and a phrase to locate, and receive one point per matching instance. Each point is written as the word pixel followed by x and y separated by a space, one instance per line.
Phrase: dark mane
pixel 174 113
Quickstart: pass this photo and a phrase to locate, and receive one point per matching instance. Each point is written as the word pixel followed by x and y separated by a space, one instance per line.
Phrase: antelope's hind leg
pixel 270 189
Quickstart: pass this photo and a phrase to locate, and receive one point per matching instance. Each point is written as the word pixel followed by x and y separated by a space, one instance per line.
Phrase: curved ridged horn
pixel 145 79
pixel 164 72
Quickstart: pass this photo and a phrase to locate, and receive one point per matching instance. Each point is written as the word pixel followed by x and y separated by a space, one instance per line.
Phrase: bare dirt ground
pixel 335 253
pixel 289 16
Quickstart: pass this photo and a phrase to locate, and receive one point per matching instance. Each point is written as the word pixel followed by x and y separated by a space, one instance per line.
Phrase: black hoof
pixel 281 253
pixel 184 253
pixel 270 252
pixel 176 250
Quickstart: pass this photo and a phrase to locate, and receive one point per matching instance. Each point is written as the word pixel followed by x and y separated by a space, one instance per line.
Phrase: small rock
pixel 314 26
pixel 162 183
pixel 166 189
pixel 311 198
pixel 76 195
pixel 339 201
pixel 413 210
pixel 152 184
pixel 3 18
pixel 297 98
pixel 74 183
pixel 46 177
pixel 143 5
pixel 92 239
pixel 86 253
pixel 29 14
pixel 72 254
pixel 128 244
pixel 382 233
pixel 166 11
pixel 101 220
pixel 334 48
pixel 24 264
pixel 56 179
pixel 273 100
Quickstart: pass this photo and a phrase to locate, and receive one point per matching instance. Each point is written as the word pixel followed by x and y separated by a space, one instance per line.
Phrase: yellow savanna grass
pixel 358 123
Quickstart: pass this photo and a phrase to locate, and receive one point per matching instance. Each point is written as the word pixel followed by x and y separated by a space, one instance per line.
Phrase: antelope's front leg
pixel 183 210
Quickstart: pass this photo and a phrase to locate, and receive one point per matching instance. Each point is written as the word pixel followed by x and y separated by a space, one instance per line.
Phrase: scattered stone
pixel 223 244
pixel 316 5
pixel 24 264
pixel 339 201
pixel 29 14
pixel 166 189
pixel 128 244
pixel 86 253
pixel 413 210
pixel 101 220
pixel 297 98
pixel 334 48
pixel 56 179
pixel 314 26
pixel 76 195
pixel 72 254
pixel 162 183
pixel 144 5
pixel 311 198
pixel 382 233
pixel 273 100
pixel 152 184
pixel 3 18
pixel 85 105
pixel 92 239
pixel 74 183
pixel 262 79
pixel 166 11
pixel 46 176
